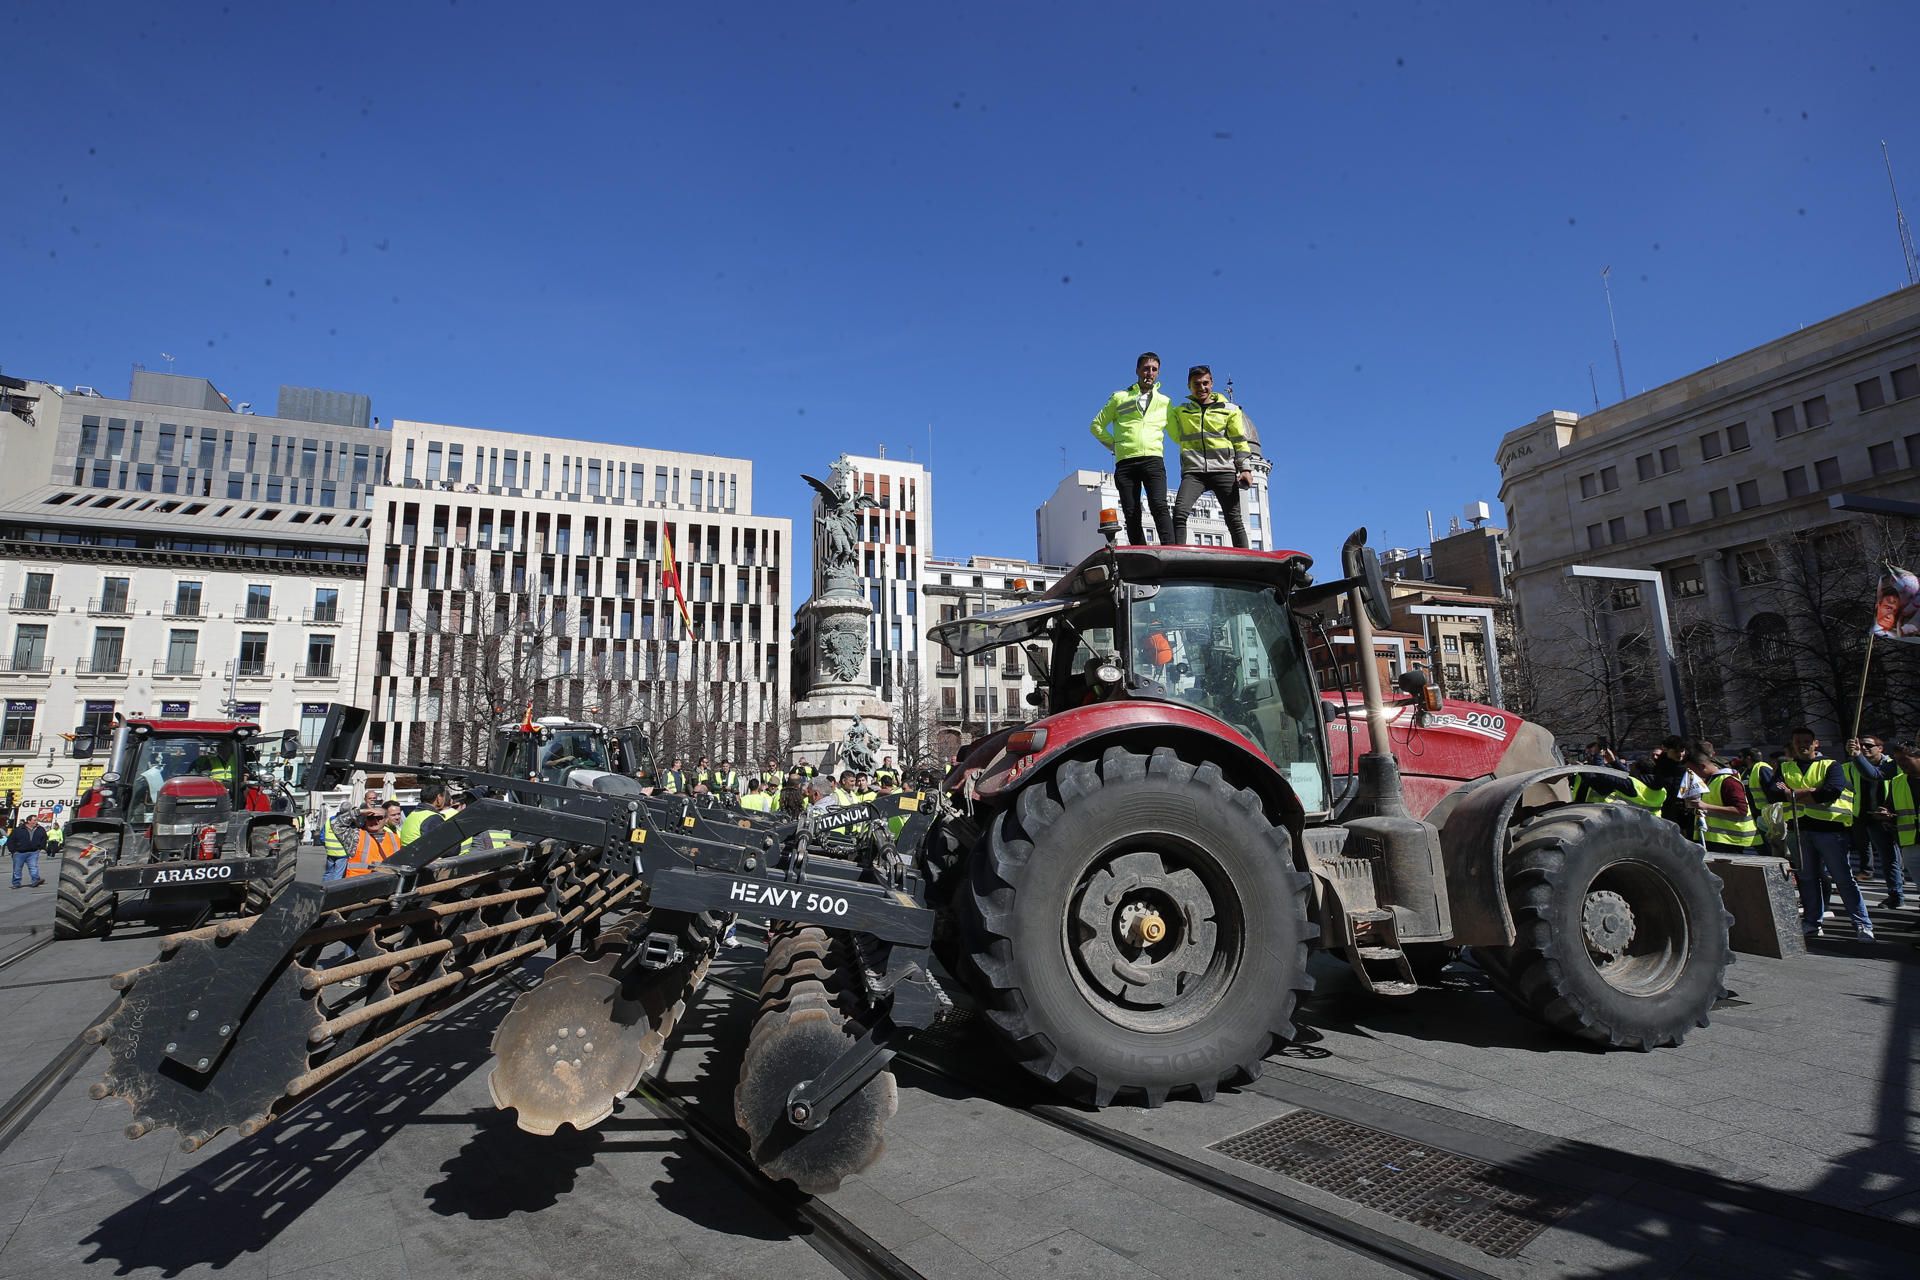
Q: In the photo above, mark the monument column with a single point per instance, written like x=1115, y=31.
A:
x=841, y=697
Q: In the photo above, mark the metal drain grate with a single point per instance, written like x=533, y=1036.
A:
x=1466, y=1200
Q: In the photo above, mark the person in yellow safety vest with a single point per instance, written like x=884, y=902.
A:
x=1820, y=808
x=486, y=839
x=1723, y=807
x=673, y=779
x=1214, y=457
x=1639, y=793
x=1899, y=798
x=864, y=788
x=773, y=775
x=757, y=799
x=894, y=821
x=848, y=792
x=1133, y=424
x=887, y=773
x=430, y=813
x=373, y=844
x=704, y=772
x=725, y=779
x=1585, y=790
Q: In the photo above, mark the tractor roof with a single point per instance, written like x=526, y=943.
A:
x=1155, y=563
x=181, y=728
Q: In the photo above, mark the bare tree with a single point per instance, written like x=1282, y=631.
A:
x=914, y=721
x=485, y=656
x=1802, y=651
x=1591, y=668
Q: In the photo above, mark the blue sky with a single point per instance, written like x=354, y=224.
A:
x=781, y=231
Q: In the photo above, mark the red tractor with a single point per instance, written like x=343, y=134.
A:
x=1130, y=885
x=180, y=825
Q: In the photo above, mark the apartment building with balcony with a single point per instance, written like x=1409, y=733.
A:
x=511, y=569
x=166, y=555
x=971, y=696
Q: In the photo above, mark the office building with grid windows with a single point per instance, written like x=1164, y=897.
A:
x=512, y=569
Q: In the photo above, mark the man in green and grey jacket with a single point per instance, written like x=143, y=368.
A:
x=1133, y=423
x=1214, y=457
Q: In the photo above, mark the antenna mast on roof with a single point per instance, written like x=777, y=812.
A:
x=1900, y=221
x=1606, y=283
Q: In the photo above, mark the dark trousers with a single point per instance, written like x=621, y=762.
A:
x=1132, y=475
x=1223, y=485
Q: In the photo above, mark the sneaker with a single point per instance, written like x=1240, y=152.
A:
x=1815, y=932
x=1892, y=904
x=1865, y=935
x=39, y=884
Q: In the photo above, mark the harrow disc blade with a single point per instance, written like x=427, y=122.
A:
x=561, y=1056
x=816, y=1160
x=575, y=1045
x=801, y=1029
x=238, y=1090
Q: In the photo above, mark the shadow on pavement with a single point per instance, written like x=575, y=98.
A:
x=503, y=1170
x=239, y=1200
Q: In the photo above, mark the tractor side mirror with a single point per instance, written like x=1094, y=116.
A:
x=82, y=748
x=1328, y=712
x=290, y=743
x=1036, y=664
x=1362, y=568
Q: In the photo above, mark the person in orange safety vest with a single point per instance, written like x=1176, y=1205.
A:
x=373, y=844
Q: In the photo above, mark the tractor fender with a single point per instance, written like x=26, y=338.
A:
x=1085, y=733
x=1473, y=841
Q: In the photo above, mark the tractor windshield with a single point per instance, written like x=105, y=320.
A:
x=159, y=759
x=569, y=749
x=1231, y=650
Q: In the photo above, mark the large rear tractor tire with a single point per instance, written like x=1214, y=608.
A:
x=1621, y=935
x=1138, y=929
x=281, y=843
x=82, y=904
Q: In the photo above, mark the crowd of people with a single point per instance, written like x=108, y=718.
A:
x=1838, y=822
x=792, y=790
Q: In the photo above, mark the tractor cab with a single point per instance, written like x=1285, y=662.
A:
x=557, y=750
x=1201, y=629
x=160, y=765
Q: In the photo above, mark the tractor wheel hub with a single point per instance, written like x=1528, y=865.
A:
x=1142, y=933
x=1607, y=921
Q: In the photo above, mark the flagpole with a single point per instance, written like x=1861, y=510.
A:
x=1860, y=703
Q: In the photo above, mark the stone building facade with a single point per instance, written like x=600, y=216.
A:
x=1700, y=480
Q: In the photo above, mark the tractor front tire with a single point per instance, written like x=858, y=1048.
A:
x=82, y=904
x=1621, y=934
x=1136, y=927
x=281, y=843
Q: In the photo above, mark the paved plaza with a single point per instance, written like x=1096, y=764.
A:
x=1778, y=1141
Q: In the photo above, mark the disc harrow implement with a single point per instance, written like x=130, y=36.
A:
x=631, y=894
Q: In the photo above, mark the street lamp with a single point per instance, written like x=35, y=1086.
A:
x=1662, y=632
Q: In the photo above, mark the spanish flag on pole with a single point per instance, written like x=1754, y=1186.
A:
x=670, y=581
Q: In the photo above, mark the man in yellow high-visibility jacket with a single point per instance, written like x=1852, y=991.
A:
x=1214, y=454
x=757, y=799
x=1133, y=423
x=428, y=814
